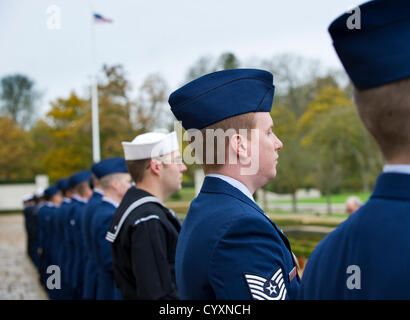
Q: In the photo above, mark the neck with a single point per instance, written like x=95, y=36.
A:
x=152, y=187
x=248, y=181
x=112, y=196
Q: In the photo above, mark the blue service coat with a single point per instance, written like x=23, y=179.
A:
x=229, y=249
x=90, y=276
x=101, y=221
x=366, y=257
x=44, y=237
x=64, y=249
x=76, y=242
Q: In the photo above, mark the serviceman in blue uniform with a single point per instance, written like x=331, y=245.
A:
x=228, y=248
x=143, y=231
x=79, y=183
x=45, y=235
x=65, y=293
x=115, y=181
x=90, y=276
x=29, y=203
x=40, y=201
x=366, y=257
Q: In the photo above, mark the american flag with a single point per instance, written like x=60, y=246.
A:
x=99, y=18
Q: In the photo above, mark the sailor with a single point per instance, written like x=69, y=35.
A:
x=143, y=231
x=366, y=256
x=228, y=248
x=114, y=180
x=90, y=276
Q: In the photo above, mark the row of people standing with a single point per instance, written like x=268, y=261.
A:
x=65, y=231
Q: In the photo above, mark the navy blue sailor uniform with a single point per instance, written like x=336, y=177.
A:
x=232, y=250
x=143, y=248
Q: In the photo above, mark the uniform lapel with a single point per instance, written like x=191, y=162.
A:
x=216, y=185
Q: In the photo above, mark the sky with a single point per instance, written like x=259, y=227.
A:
x=155, y=36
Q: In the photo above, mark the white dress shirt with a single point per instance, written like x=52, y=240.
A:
x=397, y=168
x=234, y=183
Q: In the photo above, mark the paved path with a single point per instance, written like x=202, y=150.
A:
x=18, y=276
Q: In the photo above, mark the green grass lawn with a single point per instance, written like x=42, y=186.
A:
x=336, y=198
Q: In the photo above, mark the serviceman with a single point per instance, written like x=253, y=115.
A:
x=65, y=293
x=90, y=276
x=143, y=231
x=53, y=199
x=79, y=183
x=366, y=257
x=114, y=180
x=228, y=248
x=29, y=202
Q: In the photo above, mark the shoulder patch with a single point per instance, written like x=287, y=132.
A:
x=272, y=288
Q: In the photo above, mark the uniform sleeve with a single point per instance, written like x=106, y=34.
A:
x=103, y=246
x=248, y=262
x=150, y=264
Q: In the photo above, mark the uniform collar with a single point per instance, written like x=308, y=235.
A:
x=397, y=168
x=115, y=204
x=50, y=204
x=79, y=199
x=392, y=185
x=99, y=191
x=66, y=200
x=215, y=185
x=235, y=183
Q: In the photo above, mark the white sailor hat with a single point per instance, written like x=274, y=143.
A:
x=150, y=145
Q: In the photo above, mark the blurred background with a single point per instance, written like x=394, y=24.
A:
x=136, y=53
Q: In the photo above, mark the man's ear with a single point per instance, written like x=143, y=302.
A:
x=155, y=166
x=239, y=146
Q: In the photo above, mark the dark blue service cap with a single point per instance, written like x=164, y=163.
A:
x=79, y=177
x=108, y=166
x=220, y=95
x=62, y=184
x=378, y=52
x=51, y=191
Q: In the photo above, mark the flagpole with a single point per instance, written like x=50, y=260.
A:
x=94, y=98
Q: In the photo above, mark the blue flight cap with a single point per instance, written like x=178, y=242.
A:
x=378, y=52
x=79, y=177
x=62, y=184
x=50, y=191
x=220, y=95
x=108, y=166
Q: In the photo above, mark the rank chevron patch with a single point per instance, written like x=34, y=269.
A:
x=267, y=289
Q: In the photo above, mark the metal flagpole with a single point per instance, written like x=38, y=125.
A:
x=94, y=99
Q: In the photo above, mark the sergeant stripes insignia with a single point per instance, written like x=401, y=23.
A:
x=267, y=289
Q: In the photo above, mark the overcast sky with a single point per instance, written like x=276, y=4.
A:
x=155, y=36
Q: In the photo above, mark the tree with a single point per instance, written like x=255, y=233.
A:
x=293, y=162
x=16, y=145
x=19, y=98
x=114, y=111
x=331, y=131
x=152, y=109
x=70, y=149
x=209, y=64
